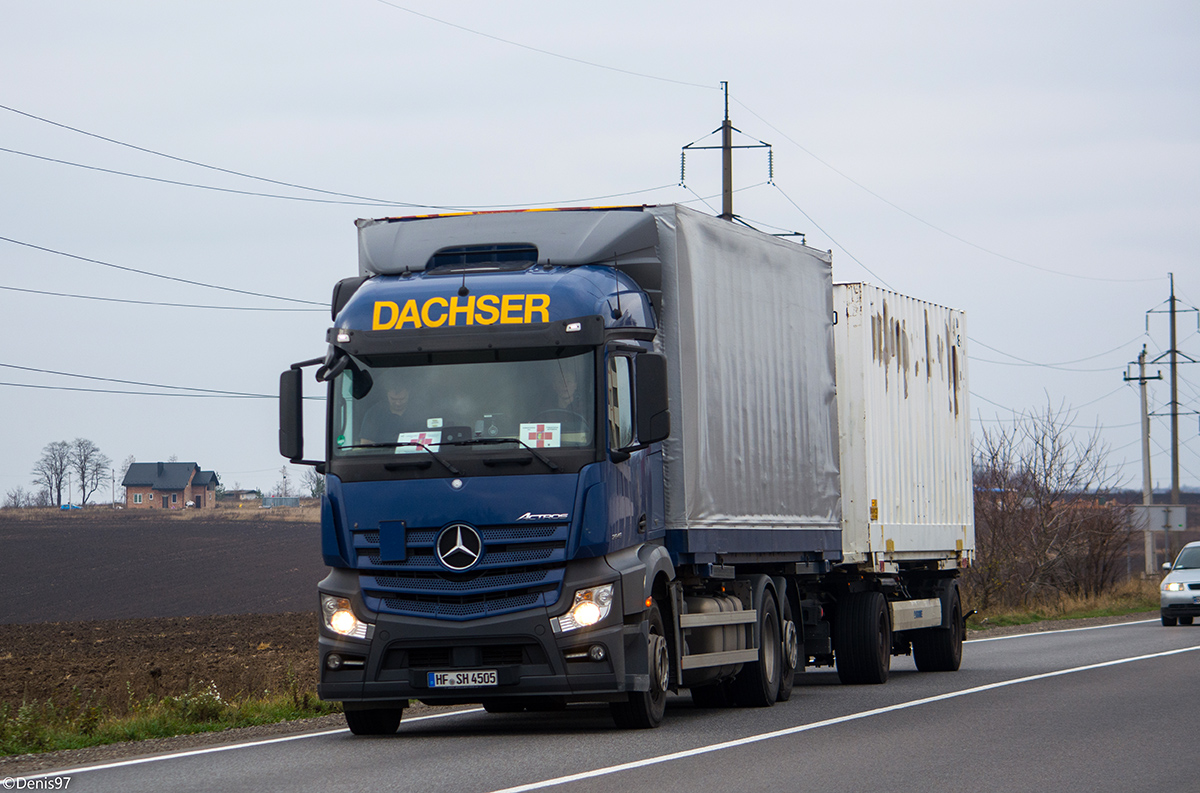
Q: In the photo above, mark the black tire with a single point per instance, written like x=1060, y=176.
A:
x=1169, y=621
x=940, y=649
x=790, y=648
x=644, y=710
x=862, y=635
x=1185, y=620
x=757, y=685
x=384, y=721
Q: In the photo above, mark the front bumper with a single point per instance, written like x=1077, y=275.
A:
x=528, y=657
x=1181, y=604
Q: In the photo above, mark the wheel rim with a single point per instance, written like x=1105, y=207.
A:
x=771, y=650
x=791, y=645
x=660, y=664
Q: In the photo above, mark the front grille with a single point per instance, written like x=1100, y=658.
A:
x=522, y=567
x=448, y=608
x=464, y=657
x=1193, y=586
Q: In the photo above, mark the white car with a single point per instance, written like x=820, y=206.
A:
x=1180, y=590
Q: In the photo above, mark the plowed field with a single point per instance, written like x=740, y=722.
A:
x=111, y=604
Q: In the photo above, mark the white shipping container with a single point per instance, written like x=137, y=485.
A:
x=904, y=428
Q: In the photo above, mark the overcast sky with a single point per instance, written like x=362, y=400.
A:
x=1036, y=164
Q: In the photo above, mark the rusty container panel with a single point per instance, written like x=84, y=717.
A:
x=904, y=428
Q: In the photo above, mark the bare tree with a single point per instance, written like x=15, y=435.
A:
x=90, y=464
x=17, y=498
x=284, y=486
x=1045, y=522
x=130, y=460
x=51, y=469
x=313, y=482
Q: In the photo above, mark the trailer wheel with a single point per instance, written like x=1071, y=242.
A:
x=644, y=709
x=790, y=644
x=384, y=721
x=940, y=649
x=863, y=638
x=757, y=685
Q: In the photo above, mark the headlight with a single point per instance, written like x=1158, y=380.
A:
x=590, y=606
x=339, y=618
x=1174, y=586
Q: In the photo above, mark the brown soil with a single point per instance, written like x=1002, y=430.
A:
x=105, y=564
x=110, y=662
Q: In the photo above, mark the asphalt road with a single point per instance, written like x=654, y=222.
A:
x=1110, y=708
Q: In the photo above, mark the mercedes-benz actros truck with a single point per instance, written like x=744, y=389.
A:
x=605, y=455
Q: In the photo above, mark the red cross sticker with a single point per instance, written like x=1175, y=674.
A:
x=542, y=437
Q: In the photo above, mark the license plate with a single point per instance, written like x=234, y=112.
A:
x=479, y=677
x=1196, y=599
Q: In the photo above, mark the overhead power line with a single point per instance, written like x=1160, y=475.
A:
x=211, y=391
x=136, y=393
x=204, y=186
x=355, y=200
x=933, y=226
x=831, y=239
x=540, y=51
x=1057, y=364
x=159, y=303
x=159, y=275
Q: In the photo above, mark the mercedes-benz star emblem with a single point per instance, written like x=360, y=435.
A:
x=459, y=546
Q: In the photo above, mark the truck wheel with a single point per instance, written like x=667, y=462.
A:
x=1169, y=621
x=940, y=649
x=790, y=646
x=757, y=685
x=644, y=709
x=862, y=634
x=374, y=722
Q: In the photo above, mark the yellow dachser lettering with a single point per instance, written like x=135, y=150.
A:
x=437, y=312
x=392, y=309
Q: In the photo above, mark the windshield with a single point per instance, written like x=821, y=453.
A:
x=456, y=403
x=1189, y=559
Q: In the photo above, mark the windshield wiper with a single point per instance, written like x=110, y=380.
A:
x=418, y=444
x=492, y=441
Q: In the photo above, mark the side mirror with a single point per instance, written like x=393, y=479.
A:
x=291, y=415
x=653, y=414
x=1166, y=567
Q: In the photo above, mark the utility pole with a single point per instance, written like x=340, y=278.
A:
x=1147, y=486
x=726, y=160
x=726, y=129
x=1173, y=354
x=1174, y=404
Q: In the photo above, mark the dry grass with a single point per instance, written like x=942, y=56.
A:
x=1129, y=597
x=308, y=511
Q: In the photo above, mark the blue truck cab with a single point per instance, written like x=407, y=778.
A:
x=491, y=465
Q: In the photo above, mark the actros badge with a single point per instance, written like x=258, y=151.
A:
x=459, y=546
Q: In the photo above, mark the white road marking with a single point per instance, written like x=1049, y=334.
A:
x=1053, y=632
x=766, y=736
x=227, y=747
x=662, y=758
